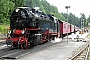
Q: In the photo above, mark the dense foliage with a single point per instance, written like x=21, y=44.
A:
x=72, y=19
x=7, y=6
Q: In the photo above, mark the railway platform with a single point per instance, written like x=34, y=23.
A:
x=78, y=37
x=58, y=49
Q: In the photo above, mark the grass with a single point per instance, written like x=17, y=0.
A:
x=3, y=28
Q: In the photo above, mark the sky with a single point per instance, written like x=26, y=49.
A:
x=76, y=6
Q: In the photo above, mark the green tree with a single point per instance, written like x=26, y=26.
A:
x=18, y=3
x=72, y=19
x=28, y=3
x=5, y=8
x=64, y=14
x=88, y=20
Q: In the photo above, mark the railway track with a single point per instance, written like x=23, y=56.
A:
x=2, y=43
x=14, y=54
x=2, y=40
x=81, y=54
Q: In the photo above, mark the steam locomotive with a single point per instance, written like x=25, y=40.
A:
x=29, y=26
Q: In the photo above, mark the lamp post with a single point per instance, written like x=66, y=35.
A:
x=67, y=7
x=82, y=23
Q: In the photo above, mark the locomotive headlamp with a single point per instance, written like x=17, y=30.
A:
x=9, y=32
x=14, y=31
x=17, y=10
x=23, y=31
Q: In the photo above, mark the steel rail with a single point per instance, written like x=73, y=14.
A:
x=77, y=54
x=87, y=53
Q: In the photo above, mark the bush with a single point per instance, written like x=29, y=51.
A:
x=3, y=30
